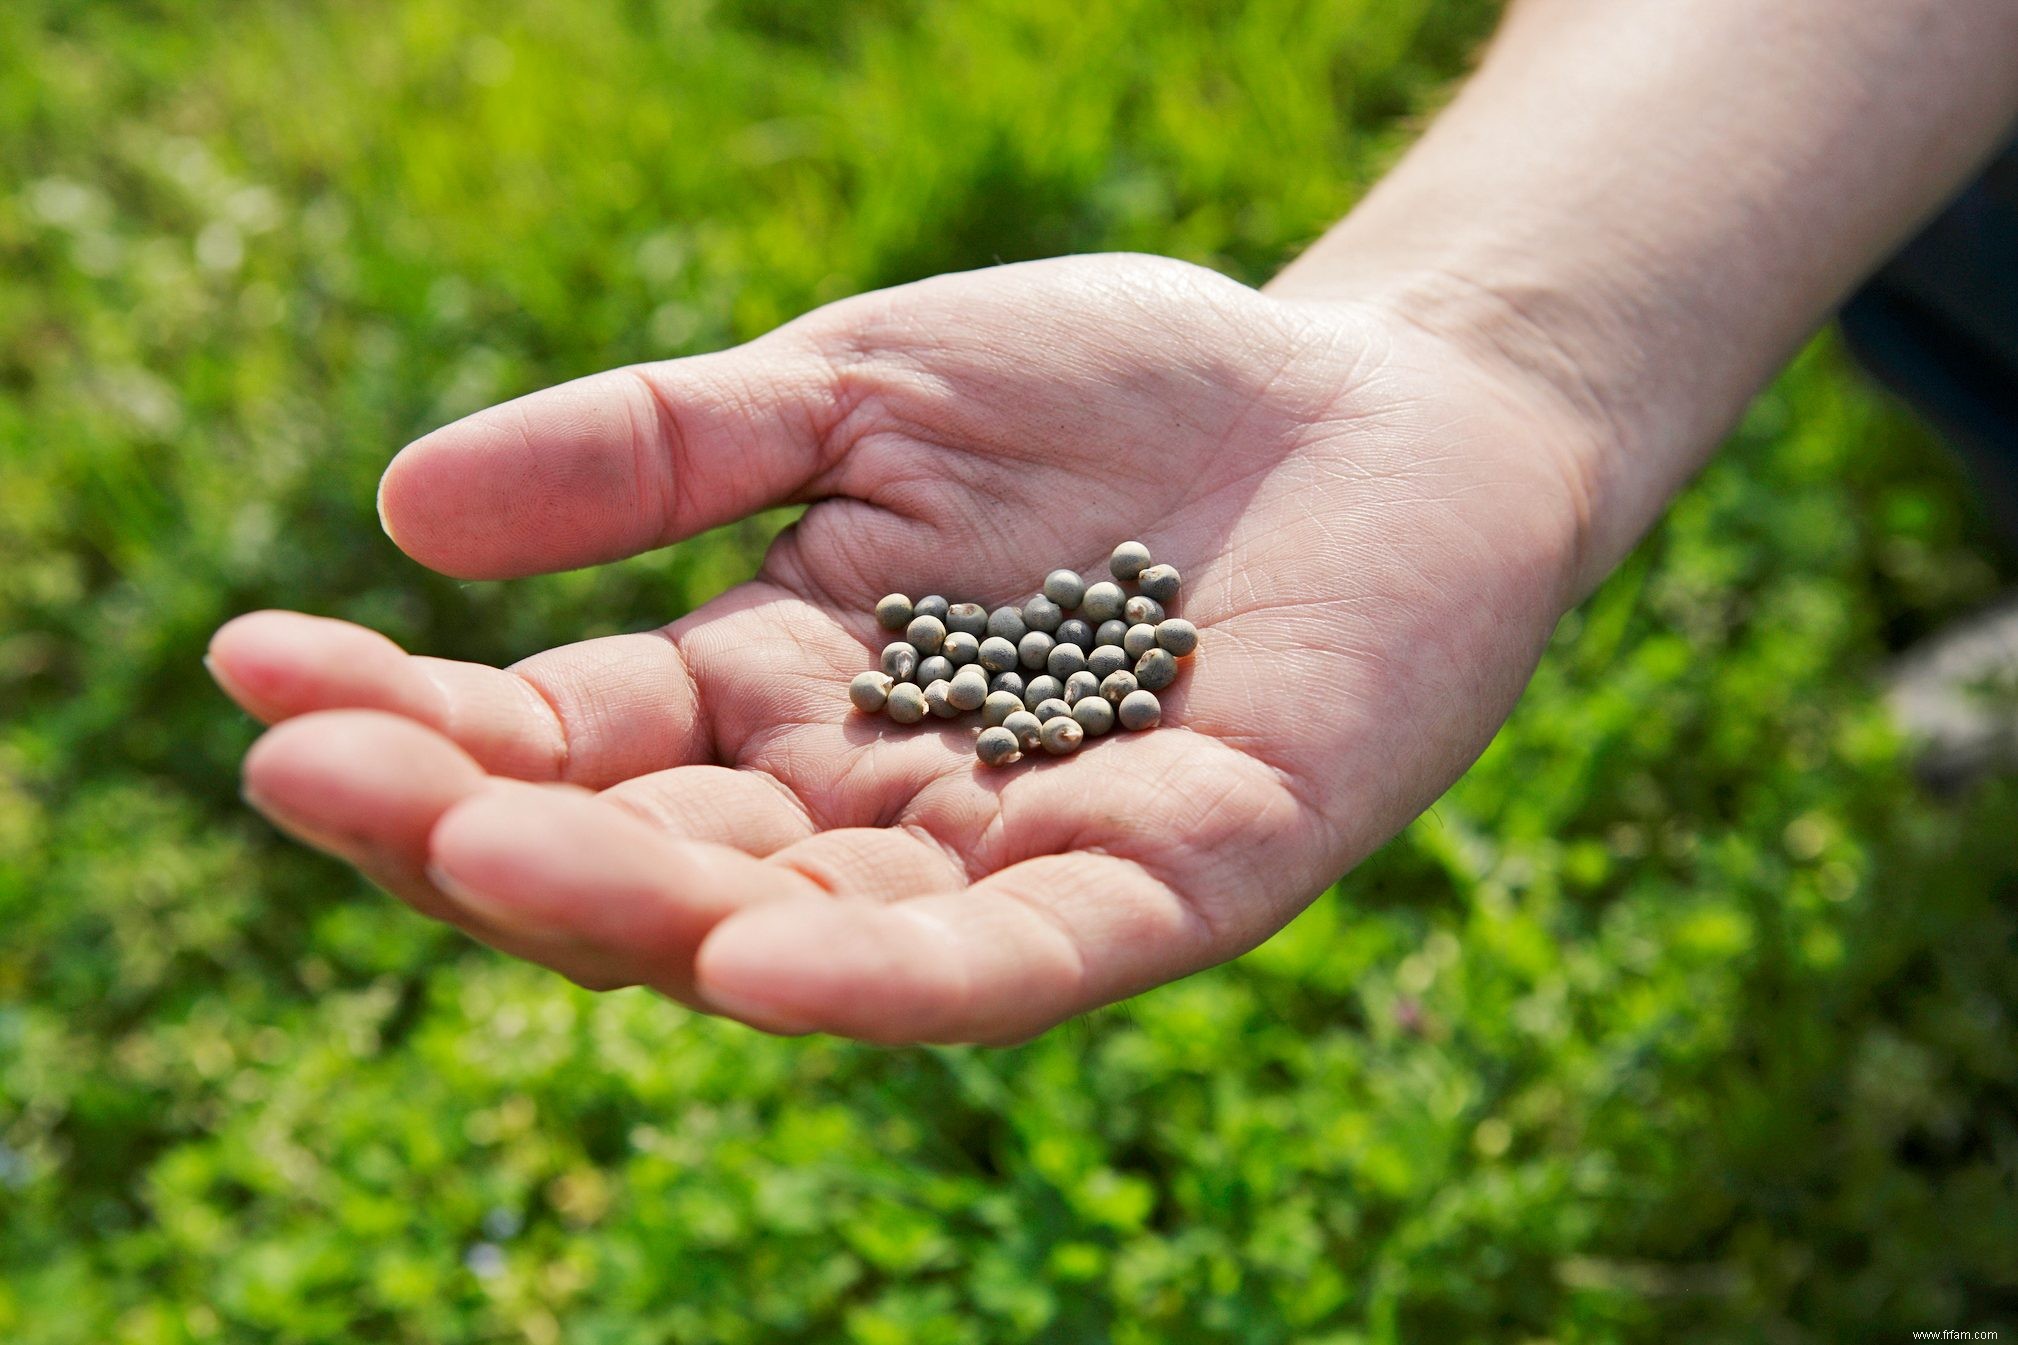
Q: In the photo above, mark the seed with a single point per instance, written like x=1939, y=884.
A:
x=1075, y=631
x=938, y=668
x=907, y=703
x=1108, y=659
x=1061, y=736
x=969, y=688
x=870, y=691
x=1040, y=613
x=961, y=647
x=1034, y=649
x=997, y=655
x=1142, y=610
x=999, y=706
x=1110, y=632
x=1011, y=682
x=970, y=617
x=1064, y=660
x=893, y=611
x=926, y=633
x=1094, y=715
x=1160, y=582
x=1139, y=710
x=1007, y=622
x=1041, y=689
x=934, y=606
x=1079, y=686
x=1128, y=560
x=1026, y=728
x=1156, y=670
x=900, y=660
x=938, y=699
x=1064, y=587
x=1049, y=710
x=1177, y=635
x=1103, y=602
x=1139, y=640
x=1116, y=687
x=997, y=747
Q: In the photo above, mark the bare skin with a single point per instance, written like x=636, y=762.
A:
x=1384, y=480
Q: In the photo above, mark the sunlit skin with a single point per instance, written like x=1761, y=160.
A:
x=1383, y=480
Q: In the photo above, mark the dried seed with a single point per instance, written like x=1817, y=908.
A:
x=970, y=617
x=1117, y=686
x=1026, y=728
x=1095, y=715
x=1061, y=736
x=1079, y=686
x=1156, y=670
x=1034, y=649
x=893, y=611
x=1139, y=710
x=1041, y=689
x=1110, y=632
x=938, y=668
x=1108, y=659
x=900, y=660
x=1040, y=613
x=1075, y=631
x=1048, y=710
x=870, y=691
x=997, y=655
x=934, y=606
x=939, y=699
x=1011, y=682
x=1128, y=560
x=1177, y=635
x=907, y=703
x=1007, y=622
x=970, y=688
x=1160, y=582
x=1064, y=660
x=1103, y=602
x=999, y=706
x=997, y=747
x=1142, y=610
x=926, y=633
x=1139, y=640
x=1064, y=587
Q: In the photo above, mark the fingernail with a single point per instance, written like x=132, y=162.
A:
x=488, y=908
x=754, y=1013
x=378, y=502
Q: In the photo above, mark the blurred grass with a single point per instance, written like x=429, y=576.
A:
x=1682, y=1016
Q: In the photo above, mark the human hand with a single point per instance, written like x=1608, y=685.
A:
x=1377, y=529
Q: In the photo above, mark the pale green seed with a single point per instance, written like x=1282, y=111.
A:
x=1048, y=710
x=1075, y=631
x=1103, y=602
x=1128, y=560
x=997, y=747
x=970, y=688
x=893, y=611
x=1094, y=715
x=997, y=655
x=939, y=699
x=961, y=647
x=1117, y=686
x=1079, y=686
x=1160, y=582
x=1011, y=682
x=1061, y=736
x=1142, y=610
x=1156, y=670
x=870, y=691
x=1041, y=689
x=1139, y=640
x=999, y=706
x=1177, y=635
x=938, y=668
x=1034, y=649
x=1064, y=660
x=1110, y=632
x=1026, y=728
x=970, y=617
x=934, y=606
x=1007, y=622
x=1139, y=710
x=907, y=703
x=900, y=660
x=1108, y=659
x=1040, y=613
x=926, y=633
x=1064, y=587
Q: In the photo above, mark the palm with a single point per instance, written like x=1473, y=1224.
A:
x=1368, y=534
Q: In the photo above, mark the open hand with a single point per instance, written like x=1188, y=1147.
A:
x=1376, y=529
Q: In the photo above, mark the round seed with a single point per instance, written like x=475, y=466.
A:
x=900, y=660
x=1079, y=686
x=939, y=699
x=1128, y=560
x=1177, y=635
x=1139, y=710
x=1108, y=659
x=1061, y=736
x=934, y=606
x=961, y=647
x=1041, y=689
x=969, y=688
x=1075, y=631
x=1007, y=622
x=1064, y=660
x=926, y=633
x=938, y=668
x=1034, y=649
x=1064, y=587
x=1049, y=710
x=1139, y=640
x=1094, y=715
x=1142, y=610
x=997, y=655
x=1103, y=602
x=893, y=611
x=1117, y=687
x=870, y=691
x=970, y=617
x=1011, y=682
x=1156, y=670
x=907, y=703
x=1160, y=582
x=1110, y=632
x=1040, y=613
x=1026, y=727
x=997, y=747
x=999, y=706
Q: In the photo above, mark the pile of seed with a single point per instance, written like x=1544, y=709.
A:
x=1068, y=665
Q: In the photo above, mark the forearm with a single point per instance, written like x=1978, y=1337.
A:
x=1652, y=203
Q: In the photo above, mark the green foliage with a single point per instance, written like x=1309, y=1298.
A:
x=1682, y=1017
